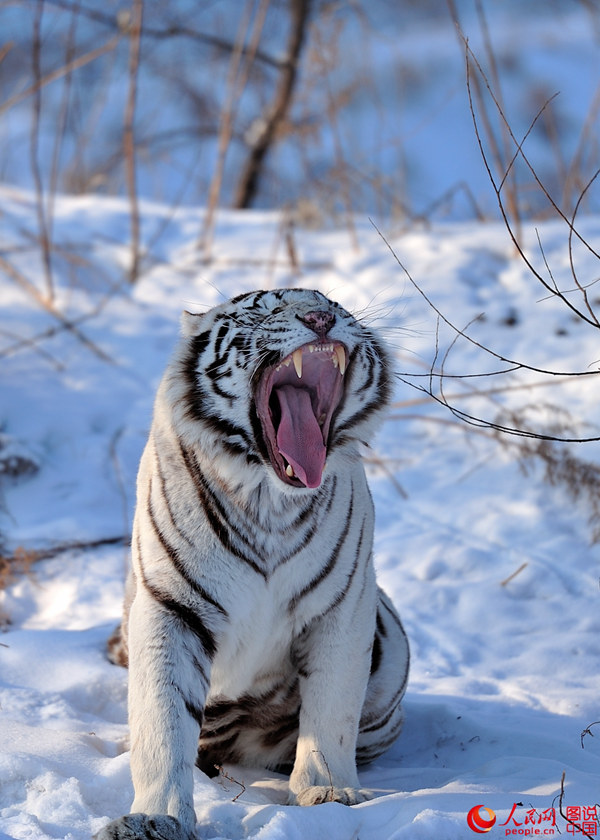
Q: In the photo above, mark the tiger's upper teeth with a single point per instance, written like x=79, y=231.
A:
x=297, y=357
x=338, y=357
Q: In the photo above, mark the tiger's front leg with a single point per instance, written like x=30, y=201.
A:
x=335, y=672
x=168, y=679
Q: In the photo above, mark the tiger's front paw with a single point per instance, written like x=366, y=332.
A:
x=318, y=794
x=144, y=827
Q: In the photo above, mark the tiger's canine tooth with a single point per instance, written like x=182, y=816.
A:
x=289, y=470
x=341, y=357
x=297, y=357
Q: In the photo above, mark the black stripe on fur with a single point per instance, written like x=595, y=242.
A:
x=216, y=515
x=186, y=616
x=173, y=555
x=330, y=565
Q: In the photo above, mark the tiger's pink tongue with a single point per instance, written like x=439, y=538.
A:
x=299, y=436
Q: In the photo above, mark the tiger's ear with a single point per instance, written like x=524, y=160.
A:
x=191, y=323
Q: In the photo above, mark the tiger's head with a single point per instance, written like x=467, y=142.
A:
x=284, y=380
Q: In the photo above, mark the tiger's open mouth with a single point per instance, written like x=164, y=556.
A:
x=296, y=400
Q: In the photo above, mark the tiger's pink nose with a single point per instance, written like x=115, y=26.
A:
x=319, y=321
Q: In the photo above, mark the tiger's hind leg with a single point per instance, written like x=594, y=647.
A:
x=256, y=730
x=118, y=644
x=382, y=714
x=116, y=648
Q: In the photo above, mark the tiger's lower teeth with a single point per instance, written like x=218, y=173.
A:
x=289, y=470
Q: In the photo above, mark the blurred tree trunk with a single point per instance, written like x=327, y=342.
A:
x=268, y=125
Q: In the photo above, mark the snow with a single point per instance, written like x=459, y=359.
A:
x=491, y=566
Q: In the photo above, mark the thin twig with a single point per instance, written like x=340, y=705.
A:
x=62, y=118
x=578, y=829
x=548, y=269
x=587, y=136
x=471, y=59
x=488, y=392
x=342, y=168
x=134, y=32
x=237, y=80
x=515, y=364
x=507, y=580
x=588, y=731
x=463, y=415
x=581, y=288
x=173, y=30
x=513, y=195
x=229, y=778
x=75, y=64
x=25, y=556
x=5, y=49
x=49, y=307
x=275, y=114
x=373, y=458
x=331, y=790
x=36, y=52
x=31, y=343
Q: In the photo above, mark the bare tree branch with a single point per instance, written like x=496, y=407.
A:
x=36, y=52
x=440, y=376
x=75, y=64
x=237, y=80
x=269, y=124
x=578, y=829
x=171, y=30
x=588, y=317
x=23, y=558
x=49, y=307
x=134, y=30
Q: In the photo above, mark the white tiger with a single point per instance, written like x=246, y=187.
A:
x=253, y=627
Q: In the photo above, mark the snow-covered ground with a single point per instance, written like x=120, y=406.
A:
x=491, y=566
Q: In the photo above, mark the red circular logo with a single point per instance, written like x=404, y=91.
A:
x=477, y=822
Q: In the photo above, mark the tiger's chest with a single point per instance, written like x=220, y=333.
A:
x=256, y=649
x=306, y=574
